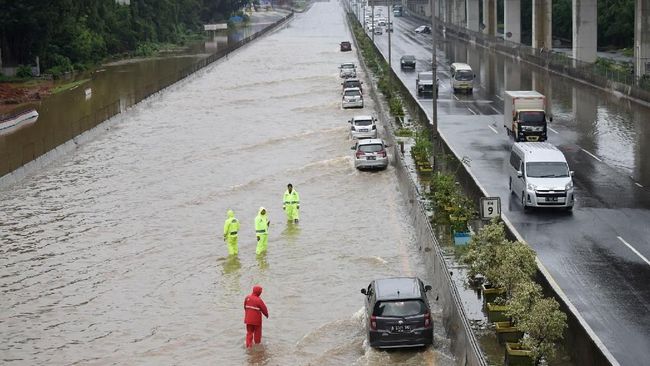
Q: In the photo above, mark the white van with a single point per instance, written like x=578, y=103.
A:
x=540, y=176
x=462, y=77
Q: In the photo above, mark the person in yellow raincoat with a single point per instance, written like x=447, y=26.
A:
x=230, y=229
x=262, y=230
x=291, y=204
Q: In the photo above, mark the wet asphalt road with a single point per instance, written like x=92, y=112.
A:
x=599, y=254
x=113, y=254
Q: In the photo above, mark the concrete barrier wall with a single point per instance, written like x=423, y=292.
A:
x=464, y=345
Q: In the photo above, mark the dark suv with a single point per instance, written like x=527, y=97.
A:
x=352, y=83
x=398, y=313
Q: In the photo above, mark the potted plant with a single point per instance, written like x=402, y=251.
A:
x=507, y=332
x=483, y=253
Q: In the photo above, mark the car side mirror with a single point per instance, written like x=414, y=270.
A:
x=519, y=174
x=363, y=291
x=387, y=145
x=427, y=288
x=550, y=118
x=352, y=148
x=571, y=173
x=350, y=121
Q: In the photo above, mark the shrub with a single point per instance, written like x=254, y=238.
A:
x=396, y=108
x=24, y=71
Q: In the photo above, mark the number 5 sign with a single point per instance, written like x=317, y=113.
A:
x=490, y=207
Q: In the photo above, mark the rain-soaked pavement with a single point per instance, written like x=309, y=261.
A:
x=113, y=254
x=599, y=254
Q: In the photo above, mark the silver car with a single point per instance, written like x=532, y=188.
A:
x=370, y=154
x=352, y=98
x=348, y=70
x=363, y=127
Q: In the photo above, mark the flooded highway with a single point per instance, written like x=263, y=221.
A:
x=113, y=254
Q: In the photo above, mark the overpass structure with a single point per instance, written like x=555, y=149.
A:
x=481, y=15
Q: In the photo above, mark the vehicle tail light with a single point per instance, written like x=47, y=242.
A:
x=360, y=154
x=373, y=322
x=382, y=153
x=374, y=127
x=427, y=320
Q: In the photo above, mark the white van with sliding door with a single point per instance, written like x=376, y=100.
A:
x=540, y=176
x=462, y=77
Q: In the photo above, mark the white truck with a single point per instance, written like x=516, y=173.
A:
x=524, y=115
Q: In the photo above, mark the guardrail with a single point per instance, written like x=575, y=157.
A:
x=38, y=146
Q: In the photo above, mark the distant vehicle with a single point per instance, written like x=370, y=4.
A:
x=524, y=115
x=377, y=30
x=370, y=154
x=462, y=77
x=352, y=83
x=398, y=313
x=424, y=83
x=363, y=127
x=423, y=29
x=540, y=175
x=352, y=98
x=407, y=61
x=346, y=46
x=397, y=11
x=348, y=70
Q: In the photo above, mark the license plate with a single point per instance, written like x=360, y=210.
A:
x=400, y=328
x=371, y=158
x=363, y=130
x=551, y=199
x=533, y=138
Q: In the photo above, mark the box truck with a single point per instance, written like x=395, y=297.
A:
x=524, y=115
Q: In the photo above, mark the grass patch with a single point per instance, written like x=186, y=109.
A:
x=403, y=132
x=68, y=86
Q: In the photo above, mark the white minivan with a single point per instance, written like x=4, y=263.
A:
x=540, y=176
x=462, y=77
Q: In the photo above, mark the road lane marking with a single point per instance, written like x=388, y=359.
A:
x=634, y=250
x=495, y=131
x=501, y=99
x=553, y=130
x=470, y=109
x=494, y=109
x=455, y=97
x=638, y=185
x=592, y=155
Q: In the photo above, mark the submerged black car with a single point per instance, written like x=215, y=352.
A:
x=398, y=313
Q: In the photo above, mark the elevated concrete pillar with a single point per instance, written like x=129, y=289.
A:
x=512, y=20
x=473, y=20
x=490, y=17
x=542, y=24
x=642, y=38
x=585, y=30
x=449, y=6
x=459, y=13
x=511, y=76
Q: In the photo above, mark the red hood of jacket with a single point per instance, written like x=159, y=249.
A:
x=257, y=290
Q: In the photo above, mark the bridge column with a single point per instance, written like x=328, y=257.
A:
x=512, y=20
x=642, y=38
x=542, y=24
x=585, y=30
x=459, y=13
x=511, y=75
x=490, y=17
x=472, y=15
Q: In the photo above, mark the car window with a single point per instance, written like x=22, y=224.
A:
x=370, y=148
x=352, y=84
x=464, y=75
x=425, y=76
x=362, y=122
x=547, y=169
x=352, y=93
x=400, y=308
x=532, y=117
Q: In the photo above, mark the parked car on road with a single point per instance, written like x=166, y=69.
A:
x=363, y=127
x=346, y=46
x=423, y=29
x=348, y=70
x=407, y=61
x=352, y=83
x=352, y=98
x=398, y=313
x=370, y=154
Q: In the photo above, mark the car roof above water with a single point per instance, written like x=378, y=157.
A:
x=397, y=288
x=539, y=151
x=362, y=117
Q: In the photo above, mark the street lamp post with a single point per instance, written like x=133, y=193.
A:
x=390, y=67
x=372, y=9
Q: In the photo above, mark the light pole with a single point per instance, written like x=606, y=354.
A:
x=372, y=8
x=434, y=72
x=390, y=67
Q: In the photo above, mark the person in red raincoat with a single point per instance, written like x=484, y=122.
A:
x=254, y=307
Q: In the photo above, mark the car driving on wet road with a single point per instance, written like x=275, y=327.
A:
x=369, y=154
x=363, y=127
x=398, y=313
x=352, y=98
